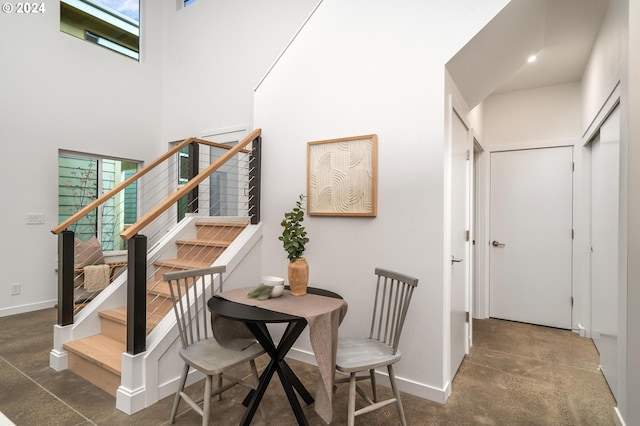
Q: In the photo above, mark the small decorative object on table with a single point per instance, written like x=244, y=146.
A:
x=294, y=238
x=276, y=283
x=262, y=292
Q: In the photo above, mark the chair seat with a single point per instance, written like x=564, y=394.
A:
x=358, y=354
x=209, y=357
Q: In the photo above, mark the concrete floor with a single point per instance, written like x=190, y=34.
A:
x=516, y=374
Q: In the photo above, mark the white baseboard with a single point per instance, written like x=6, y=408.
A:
x=4, y=421
x=617, y=417
x=14, y=310
x=58, y=360
x=420, y=390
x=581, y=330
x=131, y=395
x=130, y=401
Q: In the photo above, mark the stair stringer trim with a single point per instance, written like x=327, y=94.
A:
x=155, y=373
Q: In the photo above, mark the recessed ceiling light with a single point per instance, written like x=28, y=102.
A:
x=531, y=59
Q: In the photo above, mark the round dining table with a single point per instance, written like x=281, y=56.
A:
x=256, y=315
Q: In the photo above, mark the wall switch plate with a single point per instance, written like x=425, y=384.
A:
x=35, y=219
x=15, y=289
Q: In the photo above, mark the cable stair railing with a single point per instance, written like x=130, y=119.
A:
x=218, y=196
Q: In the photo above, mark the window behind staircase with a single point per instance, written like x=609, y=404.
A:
x=81, y=179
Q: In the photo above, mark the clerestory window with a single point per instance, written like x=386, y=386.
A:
x=81, y=179
x=113, y=24
x=181, y=4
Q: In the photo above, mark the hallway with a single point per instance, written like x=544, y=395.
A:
x=516, y=374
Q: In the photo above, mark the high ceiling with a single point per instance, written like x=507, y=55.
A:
x=560, y=32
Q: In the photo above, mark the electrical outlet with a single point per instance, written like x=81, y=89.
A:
x=15, y=289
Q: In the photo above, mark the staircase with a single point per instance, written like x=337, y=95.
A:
x=98, y=358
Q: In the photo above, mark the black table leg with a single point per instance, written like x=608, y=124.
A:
x=297, y=384
x=256, y=395
x=277, y=364
x=289, y=337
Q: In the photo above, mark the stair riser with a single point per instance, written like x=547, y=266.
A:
x=199, y=253
x=160, y=271
x=113, y=329
x=218, y=233
x=93, y=373
x=118, y=331
x=158, y=304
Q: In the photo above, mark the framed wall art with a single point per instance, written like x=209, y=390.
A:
x=342, y=176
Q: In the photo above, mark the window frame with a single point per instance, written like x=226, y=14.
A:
x=113, y=243
x=99, y=15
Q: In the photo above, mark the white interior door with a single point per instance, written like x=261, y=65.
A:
x=531, y=236
x=605, y=157
x=460, y=258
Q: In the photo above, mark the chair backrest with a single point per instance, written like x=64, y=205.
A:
x=189, y=296
x=393, y=295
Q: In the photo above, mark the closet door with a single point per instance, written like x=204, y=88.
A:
x=605, y=157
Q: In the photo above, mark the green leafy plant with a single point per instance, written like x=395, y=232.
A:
x=294, y=236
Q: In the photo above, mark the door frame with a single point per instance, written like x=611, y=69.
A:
x=452, y=111
x=476, y=232
x=480, y=223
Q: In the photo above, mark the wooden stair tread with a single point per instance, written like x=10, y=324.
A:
x=100, y=350
x=205, y=243
x=157, y=309
x=181, y=263
x=153, y=319
x=161, y=288
x=226, y=224
x=118, y=315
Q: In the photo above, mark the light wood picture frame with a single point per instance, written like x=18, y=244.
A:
x=342, y=176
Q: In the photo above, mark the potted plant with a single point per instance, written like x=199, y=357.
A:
x=294, y=239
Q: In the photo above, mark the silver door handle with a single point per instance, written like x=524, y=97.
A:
x=497, y=244
x=454, y=260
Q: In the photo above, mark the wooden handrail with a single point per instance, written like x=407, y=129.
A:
x=184, y=190
x=107, y=195
x=219, y=145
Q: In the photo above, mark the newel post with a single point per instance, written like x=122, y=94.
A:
x=137, y=295
x=254, y=180
x=194, y=165
x=65, y=277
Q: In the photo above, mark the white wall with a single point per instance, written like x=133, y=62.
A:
x=59, y=92
x=549, y=115
x=363, y=67
x=607, y=59
x=216, y=53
